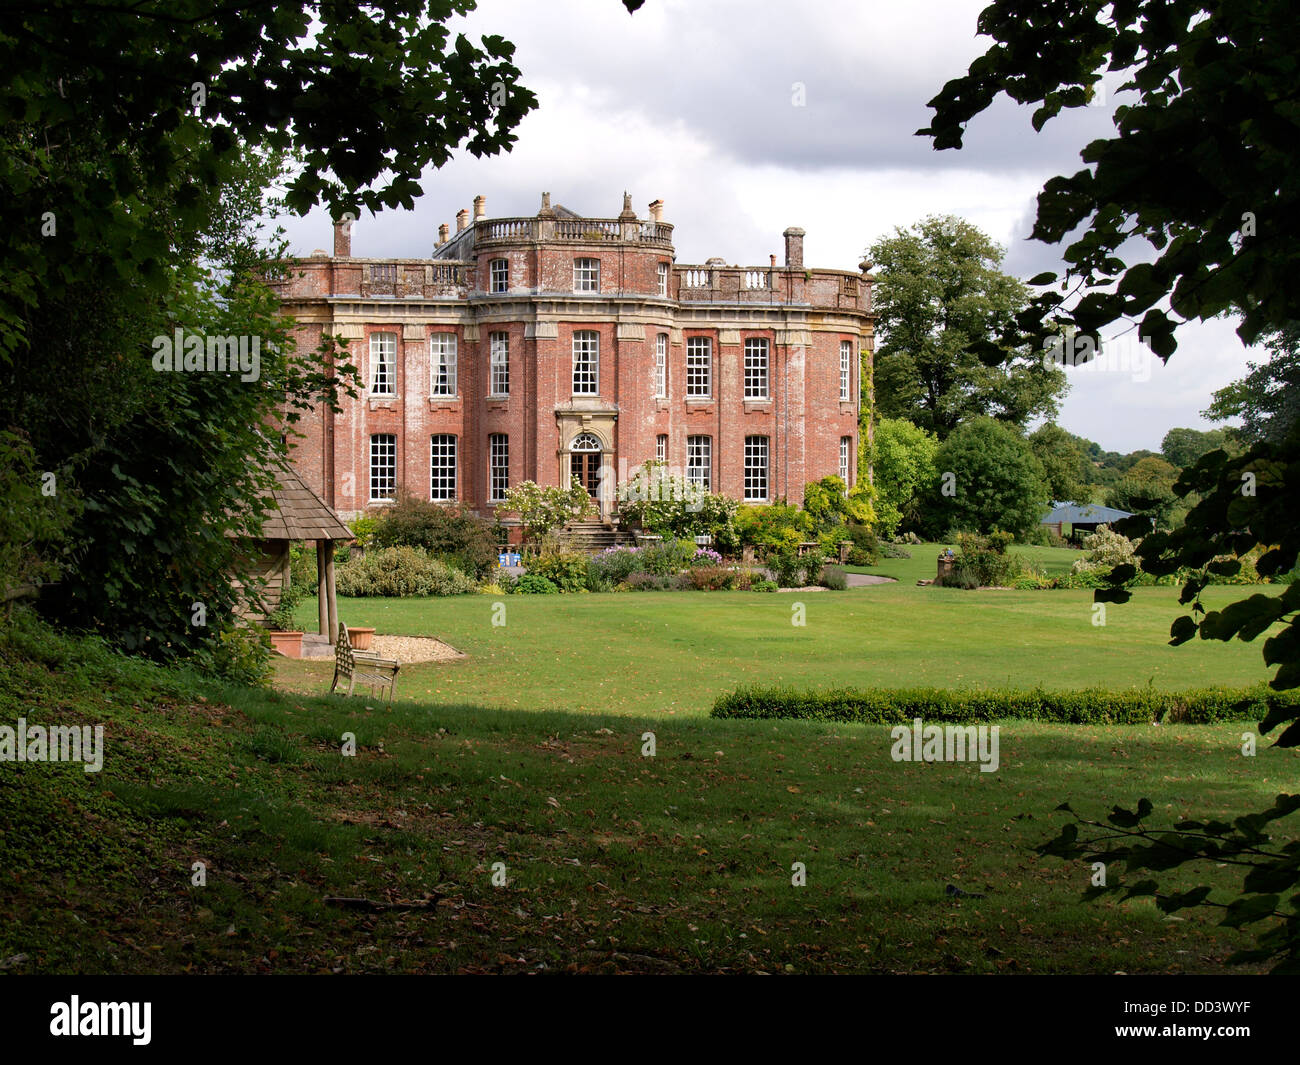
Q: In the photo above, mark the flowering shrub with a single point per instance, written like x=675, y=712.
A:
x=668, y=557
x=614, y=564
x=542, y=510
x=1104, y=550
x=705, y=556
x=670, y=505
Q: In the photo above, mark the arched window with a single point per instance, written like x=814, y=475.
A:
x=586, y=442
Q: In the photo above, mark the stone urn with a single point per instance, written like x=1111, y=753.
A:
x=360, y=638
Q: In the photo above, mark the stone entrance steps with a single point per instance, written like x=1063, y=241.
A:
x=593, y=536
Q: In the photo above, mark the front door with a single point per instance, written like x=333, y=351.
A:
x=585, y=465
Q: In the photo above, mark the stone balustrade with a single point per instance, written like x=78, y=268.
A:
x=572, y=231
x=775, y=284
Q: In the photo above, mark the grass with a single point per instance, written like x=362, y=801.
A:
x=614, y=861
x=527, y=760
x=657, y=654
x=1053, y=561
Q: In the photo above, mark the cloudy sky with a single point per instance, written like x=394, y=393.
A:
x=748, y=116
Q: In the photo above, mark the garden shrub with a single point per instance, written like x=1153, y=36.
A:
x=778, y=524
x=834, y=578
x=281, y=618
x=1088, y=578
x=400, y=571
x=866, y=548
x=792, y=570
x=363, y=529
x=567, y=570
x=764, y=586
x=238, y=655
x=705, y=556
x=710, y=578
x=611, y=567
x=670, y=506
x=542, y=510
x=888, y=550
x=446, y=532
x=302, y=568
x=667, y=557
x=982, y=561
x=1095, y=706
x=1104, y=550
x=535, y=584
x=1229, y=569
x=646, y=582
x=958, y=578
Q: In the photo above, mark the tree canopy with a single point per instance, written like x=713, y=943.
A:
x=902, y=460
x=988, y=480
x=121, y=119
x=943, y=303
x=1267, y=399
x=1182, y=446
x=1065, y=469
x=141, y=146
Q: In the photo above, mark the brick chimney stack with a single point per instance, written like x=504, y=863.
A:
x=480, y=208
x=462, y=219
x=444, y=232
x=343, y=239
x=794, y=248
x=656, y=210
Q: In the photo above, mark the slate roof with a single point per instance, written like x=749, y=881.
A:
x=1083, y=514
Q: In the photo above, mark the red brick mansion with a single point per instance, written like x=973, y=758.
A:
x=554, y=345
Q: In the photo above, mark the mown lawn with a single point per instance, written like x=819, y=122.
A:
x=1052, y=561
x=525, y=760
x=612, y=861
x=656, y=654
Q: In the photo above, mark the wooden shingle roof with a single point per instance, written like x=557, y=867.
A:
x=300, y=514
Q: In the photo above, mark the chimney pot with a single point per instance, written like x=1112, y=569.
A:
x=480, y=207
x=773, y=258
x=794, y=248
x=462, y=219
x=444, y=231
x=656, y=210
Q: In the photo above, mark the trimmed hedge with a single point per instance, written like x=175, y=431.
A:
x=1090, y=706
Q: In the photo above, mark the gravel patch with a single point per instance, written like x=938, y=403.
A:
x=414, y=649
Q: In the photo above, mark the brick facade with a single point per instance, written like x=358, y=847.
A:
x=397, y=314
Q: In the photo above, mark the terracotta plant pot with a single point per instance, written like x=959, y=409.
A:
x=288, y=644
x=360, y=638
